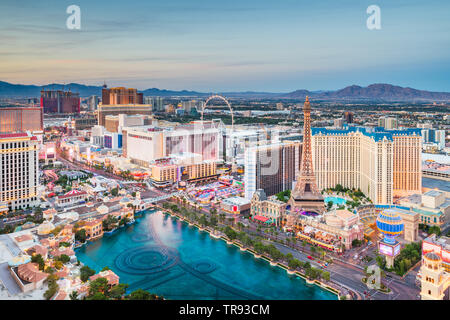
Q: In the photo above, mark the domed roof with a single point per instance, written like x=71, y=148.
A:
x=432, y=256
x=390, y=223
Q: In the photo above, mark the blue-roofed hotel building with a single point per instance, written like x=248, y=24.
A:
x=383, y=163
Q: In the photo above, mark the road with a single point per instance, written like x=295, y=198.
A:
x=79, y=165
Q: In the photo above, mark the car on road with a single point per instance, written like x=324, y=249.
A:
x=310, y=258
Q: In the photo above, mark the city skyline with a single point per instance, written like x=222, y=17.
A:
x=233, y=46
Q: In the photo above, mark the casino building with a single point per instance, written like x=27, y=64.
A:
x=121, y=100
x=59, y=101
x=19, y=178
x=21, y=119
x=435, y=269
x=382, y=163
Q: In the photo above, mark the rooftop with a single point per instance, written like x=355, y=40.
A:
x=236, y=201
x=433, y=193
x=377, y=133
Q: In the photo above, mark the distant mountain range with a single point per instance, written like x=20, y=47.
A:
x=374, y=92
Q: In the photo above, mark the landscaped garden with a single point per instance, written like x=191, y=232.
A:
x=344, y=198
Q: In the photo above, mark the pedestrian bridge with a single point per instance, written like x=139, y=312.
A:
x=160, y=198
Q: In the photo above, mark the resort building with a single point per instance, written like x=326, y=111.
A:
x=436, y=170
x=19, y=175
x=382, y=163
x=59, y=101
x=388, y=123
x=333, y=231
x=116, y=109
x=24, y=240
x=432, y=206
x=28, y=276
x=121, y=100
x=38, y=249
x=21, y=119
x=441, y=247
x=234, y=142
x=271, y=167
x=235, y=205
x=93, y=228
x=71, y=198
x=266, y=209
x=367, y=215
x=435, y=269
x=181, y=167
x=115, y=123
x=147, y=143
x=113, y=279
x=85, y=122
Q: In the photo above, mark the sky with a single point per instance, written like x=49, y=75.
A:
x=233, y=45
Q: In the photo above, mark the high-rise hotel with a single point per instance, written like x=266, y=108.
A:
x=121, y=100
x=19, y=178
x=382, y=163
x=271, y=167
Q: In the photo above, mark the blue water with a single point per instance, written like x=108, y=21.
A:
x=336, y=200
x=168, y=257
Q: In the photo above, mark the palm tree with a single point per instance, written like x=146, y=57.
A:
x=73, y=295
x=313, y=249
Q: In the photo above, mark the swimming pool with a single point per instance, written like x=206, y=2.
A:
x=336, y=200
x=165, y=256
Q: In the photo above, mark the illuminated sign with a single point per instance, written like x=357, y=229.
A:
x=385, y=249
x=397, y=249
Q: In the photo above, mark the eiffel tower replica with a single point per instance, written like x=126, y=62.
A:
x=306, y=197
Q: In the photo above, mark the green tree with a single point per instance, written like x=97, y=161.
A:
x=37, y=258
x=109, y=223
x=99, y=285
x=97, y=296
x=52, y=287
x=85, y=273
x=115, y=192
x=80, y=235
x=118, y=291
x=289, y=257
x=73, y=295
x=381, y=262
x=139, y=294
x=64, y=258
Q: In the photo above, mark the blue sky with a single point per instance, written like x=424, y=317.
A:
x=211, y=45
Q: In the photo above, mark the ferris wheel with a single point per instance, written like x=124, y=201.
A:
x=224, y=100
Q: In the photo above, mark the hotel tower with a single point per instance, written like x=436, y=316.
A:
x=19, y=178
x=382, y=163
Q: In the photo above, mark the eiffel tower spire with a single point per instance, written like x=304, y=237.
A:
x=306, y=196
